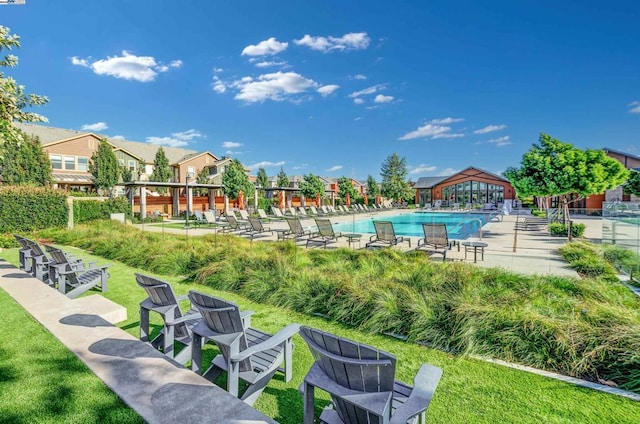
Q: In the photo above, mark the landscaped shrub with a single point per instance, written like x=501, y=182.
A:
x=538, y=213
x=587, y=328
x=8, y=241
x=559, y=229
x=24, y=209
x=90, y=210
x=588, y=260
x=265, y=204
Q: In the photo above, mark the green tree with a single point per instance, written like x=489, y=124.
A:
x=373, y=189
x=632, y=185
x=262, y=180
x=104, y=167
x=283, y=180
x=554, y=168
x=23, y=162
x=345, y=186
x=394, y=174
x=161, y=170
x=235, y=179
x=126, y=174
x=202, y=178
x=310, y=186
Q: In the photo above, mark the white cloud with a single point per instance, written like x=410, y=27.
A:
x=231, y=145
x=218, y=85
x=350, y=41
x=427, y=130
x=301, y=166
x=358, y=101
x=449, y=171
x=177, y=139
x=267, y=64
x=218, y=70
x=118, y=137
x=264, y=48
x=334, y=168
x=277, y=86
x=634, y=107
x=368, y=90
x=128, y=66
x=360, y=77
x=357, y=119
x=490, y=128
x=265, y=164
x=446, y=120
x=98, y=126
x=448, y=135
x=325, y=90
x=422, y=168
x=500, y=141
x=382, y=99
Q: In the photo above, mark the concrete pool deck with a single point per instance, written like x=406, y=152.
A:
x=535, y=252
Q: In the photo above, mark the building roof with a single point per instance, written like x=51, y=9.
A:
x=144, y=151
x=428, y=182
x=618, y=152
x=72, y=178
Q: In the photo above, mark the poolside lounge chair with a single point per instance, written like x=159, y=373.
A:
x=200, y=219
x=296, y=231
x=361, y=381
x=302, y=212
x=277, y=212
x=325, y=233
x=435, y=239
x=235, y=225
x=210, y=219
x=73, y=280
x=263, y=216
x=256, y=228
x=385, y=235
x=292, y=211
x=244, y=215
x=176, y=324
x=246, y=353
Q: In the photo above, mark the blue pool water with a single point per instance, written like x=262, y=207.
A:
x=459, y=225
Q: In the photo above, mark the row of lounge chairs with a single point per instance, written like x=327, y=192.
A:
x=70, y=275
x=360, y=378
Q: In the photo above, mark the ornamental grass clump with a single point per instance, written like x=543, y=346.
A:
x=588, y=328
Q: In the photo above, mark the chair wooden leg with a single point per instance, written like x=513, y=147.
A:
x=308, y=403
x=288, y=360
x=196, y=354
x=144, y=324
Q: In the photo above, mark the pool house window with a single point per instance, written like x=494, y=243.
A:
x=475, y=192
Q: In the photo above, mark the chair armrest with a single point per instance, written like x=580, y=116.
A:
x=101, y=268
x=180, y=298
x=184, y=318
x=273, y=341
x=421, y=242
x=373, y=237
x=425, y=383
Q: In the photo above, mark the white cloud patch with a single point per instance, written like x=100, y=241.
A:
x=350, y=41
x=301, y=166
x=449, y=171
x=118, y=137
x=325, y=90
x=98, y=126
x=448, y=135
x=277, y=86
x=268, y=64
x=446, y=121
x=218, y=85
x=265, y=164
x=368, y=90
x=218, y=70
x=427, y=130
x=177, y=139
x=422, y=168
x=231, y=145
x=360, y=77
x=490, y=128
x=358, y=101
x=634, y=107
x=128, y=66
x=500, y=141
x=334, y=168
x=268, y=47
x=382, y=99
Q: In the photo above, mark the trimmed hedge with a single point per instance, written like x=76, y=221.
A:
x=25, y=208
x=90, y=210
x=559, y=229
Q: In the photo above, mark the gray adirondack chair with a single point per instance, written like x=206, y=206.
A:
x=325, y=233
x=24, y=254
x=385, y=235
x=39, y=263
x=58, y=262
x=73, y=280
x=436, y=239
x=176, y=325
x=246, y=353
x=360, y=380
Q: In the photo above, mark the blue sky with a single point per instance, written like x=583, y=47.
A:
x=334, y=87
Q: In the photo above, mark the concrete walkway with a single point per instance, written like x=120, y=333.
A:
x=535, y=252
x=157, y=388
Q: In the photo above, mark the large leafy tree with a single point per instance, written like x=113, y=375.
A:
x=372, y=186
x=632, y=185
x=262, y=180
x=104, y=167
x=283, y=180
x=394, y=174
x=22, y=161
x=311, y=185
x=235, y=180
x=553, y=168
x=345, y=186
x=161, y=170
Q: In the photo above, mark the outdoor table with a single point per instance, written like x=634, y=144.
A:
x=475, y=245
x=353, y=238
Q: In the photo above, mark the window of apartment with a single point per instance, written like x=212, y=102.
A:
x=70, y=163
x=191, y=171
x=56, y=161
x=132, y=165
x=82, y=163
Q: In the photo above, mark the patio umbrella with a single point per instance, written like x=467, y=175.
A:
x=318, y=200
x=281, y=199
x=240, y=200
x=348, y=200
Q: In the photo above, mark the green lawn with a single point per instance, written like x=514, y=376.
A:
x=55, y=387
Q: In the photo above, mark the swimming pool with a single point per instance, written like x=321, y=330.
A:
x=459, y=225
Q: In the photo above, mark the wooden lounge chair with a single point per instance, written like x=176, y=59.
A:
x=176, y=325
x=74, y=280
x=58, y=262
x=360, y=380
x=24, y=254
x=436, y=239
x=296, y=231
x=325, y=233
x=246, y=353
x=39, y=263
x=385, y=235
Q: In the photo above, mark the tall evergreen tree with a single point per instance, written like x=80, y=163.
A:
x=262, y=180
x=22, y=161
x=104, y=167
x=161, y=170
x=283, y=180
x=394, y=174
x=372, y=187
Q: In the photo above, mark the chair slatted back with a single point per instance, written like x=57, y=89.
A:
x=161, y=294
x=325, y=228
x=244, y=214
x=276, y=212
x=223, y=317
x=295, y=226
x=36, y=250
x=59, y=257
x=353, y=365
x=435, y=234
x=23, y=242
x=233, y=222
x=385, y=231
x=262, y=214
x=256, y=224
x=210, y=217
x=313, y=210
